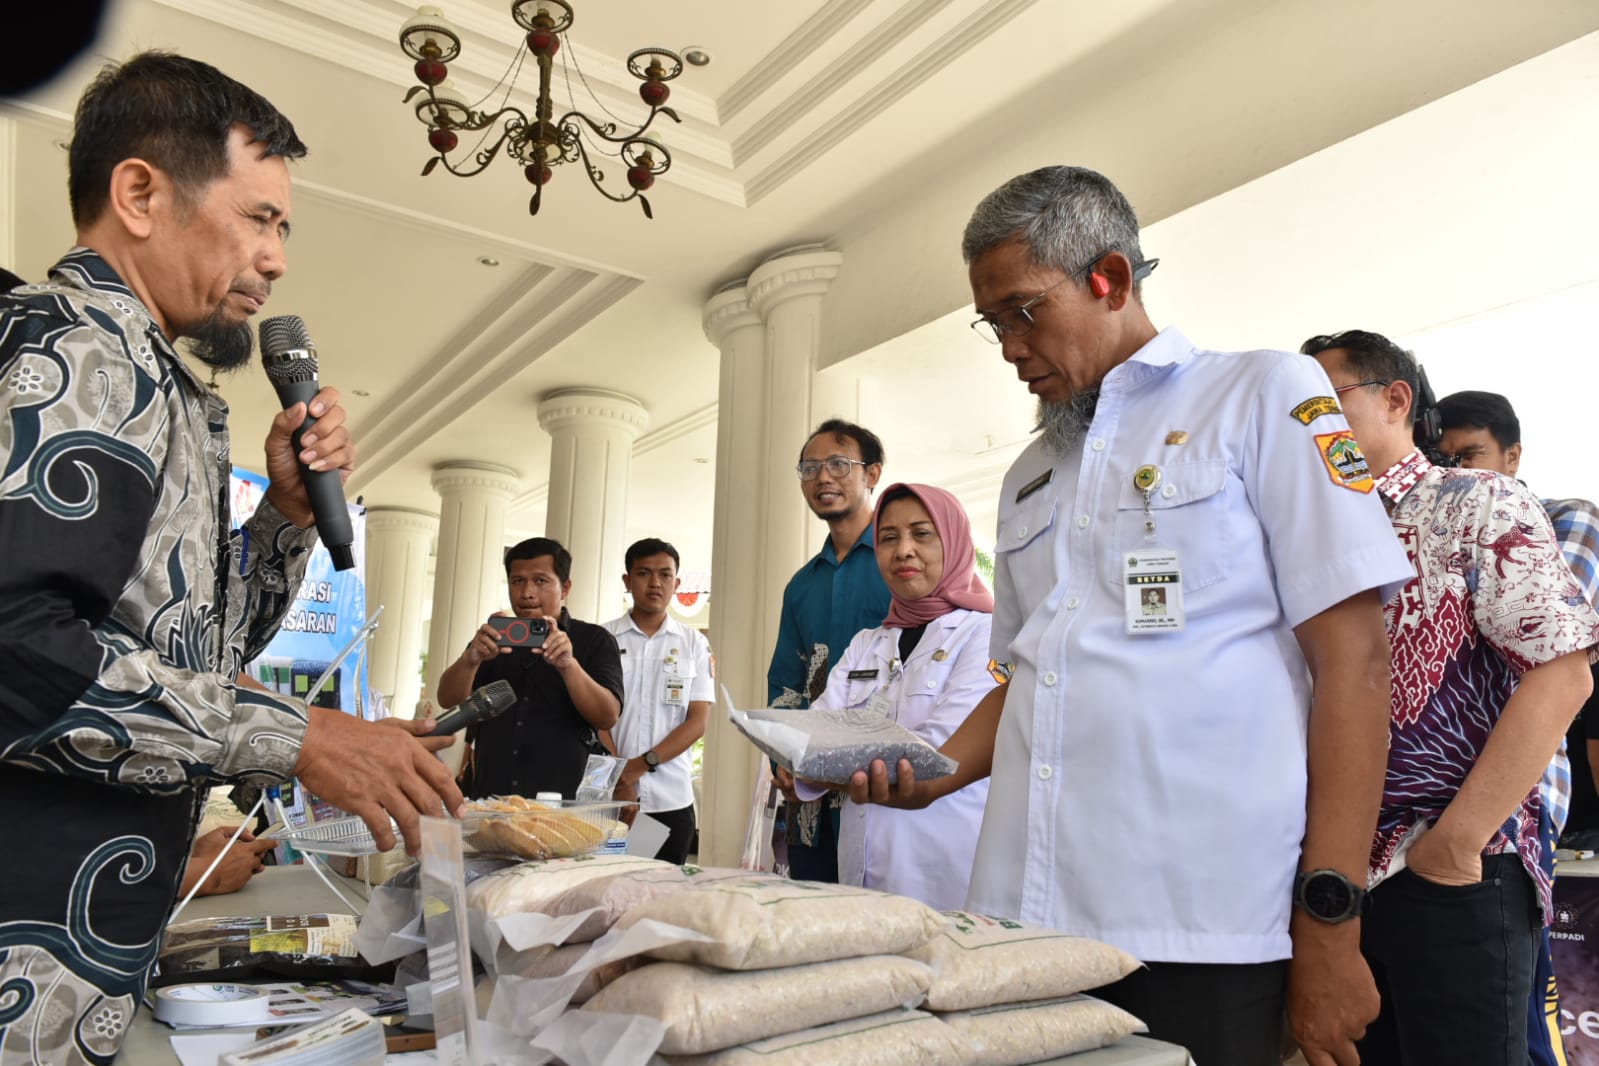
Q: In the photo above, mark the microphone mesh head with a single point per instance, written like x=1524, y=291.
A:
x=496, y=696
x=286, y=350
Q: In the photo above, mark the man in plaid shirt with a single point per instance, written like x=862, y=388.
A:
x=1482, y=432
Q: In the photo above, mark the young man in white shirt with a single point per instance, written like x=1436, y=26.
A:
x=668, y=689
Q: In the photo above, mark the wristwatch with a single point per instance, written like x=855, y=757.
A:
x=652, y=760
x=1329, y=896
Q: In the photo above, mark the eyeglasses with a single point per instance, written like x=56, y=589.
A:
x=1018, y=320
x=837, y=466
x=1341, y=389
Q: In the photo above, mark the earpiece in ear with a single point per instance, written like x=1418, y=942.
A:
x=1099, y=285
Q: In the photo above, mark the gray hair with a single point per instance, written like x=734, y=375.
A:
x=1066, y=215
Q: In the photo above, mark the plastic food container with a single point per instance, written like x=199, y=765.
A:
x=514, y=827
x=336, y=836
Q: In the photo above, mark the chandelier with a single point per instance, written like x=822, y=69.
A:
x=543, y=142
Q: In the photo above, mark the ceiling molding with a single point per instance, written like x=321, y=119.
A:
x=535, y=312
x=798, y=47
x=649, y=442
x=870, y=103
x=675, y=430
x=835, y=77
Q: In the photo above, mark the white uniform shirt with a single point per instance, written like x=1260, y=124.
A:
x=1149, y=790
x=925, y=854
x=675, y=654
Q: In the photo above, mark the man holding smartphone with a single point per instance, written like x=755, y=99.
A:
x=568, y=686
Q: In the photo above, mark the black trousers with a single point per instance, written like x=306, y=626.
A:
x=819, y=861
x=1454, y=967
x=1225, y=1015
x=681, y=823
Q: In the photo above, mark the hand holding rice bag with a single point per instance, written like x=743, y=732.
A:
x=830, y=745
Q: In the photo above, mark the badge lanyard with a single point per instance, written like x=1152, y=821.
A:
x=1151, y=574
x=882, y=701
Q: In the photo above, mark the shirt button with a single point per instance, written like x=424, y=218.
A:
x=932, y=684
x=1082, y=521
x=1045, y=773
x=1169, y=490
x=1099, y=445
x=1049, y=678
x=1022, y=532
x=1071, y=604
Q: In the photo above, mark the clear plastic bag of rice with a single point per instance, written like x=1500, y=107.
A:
x=762, y=922
x=529, y=886
x=978, y=961
x=605, y=900
x=893, y=1038
x=830, y=745
x=705, y=1009
x=1012, y=1034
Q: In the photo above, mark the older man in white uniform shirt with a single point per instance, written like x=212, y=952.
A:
x=668, y=688
x=1149, y=782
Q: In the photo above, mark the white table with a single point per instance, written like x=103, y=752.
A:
x=295, y=890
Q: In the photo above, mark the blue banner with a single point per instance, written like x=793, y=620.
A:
x=329, y=611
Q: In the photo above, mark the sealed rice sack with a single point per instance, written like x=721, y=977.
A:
x=528, y=886
x=555, y=962
x=609, y=898
x=762, y=922
x=1013, y=1034
x=893, y=1038
x=706, y=1009
x=830, y=745
x=978, y=961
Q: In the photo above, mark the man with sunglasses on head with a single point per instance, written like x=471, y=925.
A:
x=835, y=595
x=1490, y=642
x=1149, y=781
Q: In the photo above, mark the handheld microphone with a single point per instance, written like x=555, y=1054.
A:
x=490, y=701
x=290, y=361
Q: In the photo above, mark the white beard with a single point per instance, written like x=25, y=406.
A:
x=1064, y=424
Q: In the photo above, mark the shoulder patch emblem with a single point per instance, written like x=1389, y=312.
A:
x=1314, y=408
x=1346, y=464
x=999, y=671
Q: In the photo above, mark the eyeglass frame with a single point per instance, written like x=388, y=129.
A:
x=799, y=468
x=1339, y=390
x=997, y=329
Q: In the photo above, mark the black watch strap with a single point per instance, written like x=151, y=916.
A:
x=1329, y=896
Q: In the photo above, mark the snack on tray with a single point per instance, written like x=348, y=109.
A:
x=512, y=825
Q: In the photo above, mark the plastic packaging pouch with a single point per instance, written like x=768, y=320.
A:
x=601, y=775
x=832, y=744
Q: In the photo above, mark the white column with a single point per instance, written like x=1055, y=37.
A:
x=469, y=571
x=787, y=293
x=398, y=542
x=592, y=433
x=728, y=775
x=761, y=516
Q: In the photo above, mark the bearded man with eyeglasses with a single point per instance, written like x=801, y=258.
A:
x=1173, y=783
x=835, y=595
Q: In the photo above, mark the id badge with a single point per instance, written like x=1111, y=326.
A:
x=1153, y=591
x=674, y=691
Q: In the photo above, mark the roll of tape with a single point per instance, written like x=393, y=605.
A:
x=212, y=1005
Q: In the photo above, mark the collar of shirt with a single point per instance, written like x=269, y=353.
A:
x=1396, y=482
x=1166, y=349
x=829, y=556
x=85, y=270
x=668, y=625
